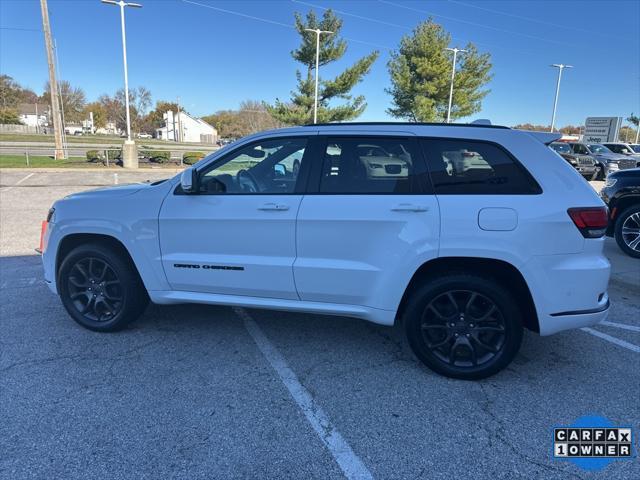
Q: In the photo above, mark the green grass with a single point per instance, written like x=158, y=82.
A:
x=41, y=161
x=103, y=139
x=20, y=161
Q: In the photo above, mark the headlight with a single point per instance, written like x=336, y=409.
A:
x=375, y=165
x=610, y=182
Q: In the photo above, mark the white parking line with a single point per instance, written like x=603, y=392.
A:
x=623, y=326
x=19, y=182
x=609, y=338
x=348, y=461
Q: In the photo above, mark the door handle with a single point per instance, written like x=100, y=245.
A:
x=273, y=206
x=410, y=207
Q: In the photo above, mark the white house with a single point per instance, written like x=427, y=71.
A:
x=33, y=114
x=185, y=128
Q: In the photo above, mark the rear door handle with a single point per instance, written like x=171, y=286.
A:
x=409, y=207
x=274, y=206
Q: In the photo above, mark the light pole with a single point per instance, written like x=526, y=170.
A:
x=129, y=154
x=318, y=32
x=453, y=75
x=560, y=67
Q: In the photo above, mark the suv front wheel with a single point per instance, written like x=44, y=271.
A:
x=464, y=326
x=100, y=289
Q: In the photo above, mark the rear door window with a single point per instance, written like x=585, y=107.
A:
x=475, y=167
x=372, y=165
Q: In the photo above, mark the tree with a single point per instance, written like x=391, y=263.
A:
x=255, y=117
x=300, y=109
x=227, y=123
x=154, y=119
x=100, y=116
x=12, y=93
x=139, y=103
x=421, y=77
x=9, y=116
x=634, y=120
x=73, y=101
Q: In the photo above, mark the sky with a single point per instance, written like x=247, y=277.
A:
x=213, y=54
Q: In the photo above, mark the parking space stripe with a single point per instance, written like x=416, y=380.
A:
x=609, y=338
x=347, y=460
x=19, y=182
x=623, y=326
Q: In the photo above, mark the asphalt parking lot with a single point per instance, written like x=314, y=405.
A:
x=215, y=392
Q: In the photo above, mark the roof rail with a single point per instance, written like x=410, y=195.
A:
x=418, y=124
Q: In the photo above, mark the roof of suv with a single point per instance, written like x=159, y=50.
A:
x=405, y=124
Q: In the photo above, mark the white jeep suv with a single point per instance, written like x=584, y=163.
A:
x=466, y=234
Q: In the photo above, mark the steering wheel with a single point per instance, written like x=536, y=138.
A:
x=246, y=180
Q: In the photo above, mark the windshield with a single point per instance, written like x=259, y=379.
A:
x=561, y=147
x=595, y=148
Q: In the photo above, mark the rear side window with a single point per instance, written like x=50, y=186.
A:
x=475, y=167
x=372, y=165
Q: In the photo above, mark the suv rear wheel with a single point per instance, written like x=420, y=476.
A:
x=99, y=289
x=627, y=231
x=464, y=326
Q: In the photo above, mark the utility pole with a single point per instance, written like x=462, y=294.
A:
x=129, y=151
x=179, y=122
x=560, y=67
x=453, y=75
x=318, y=32
x=53, y=84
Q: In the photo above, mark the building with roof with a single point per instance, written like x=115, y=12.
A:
x=182, y=127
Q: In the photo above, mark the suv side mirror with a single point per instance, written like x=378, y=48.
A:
x=189, y=180
x=280, y=170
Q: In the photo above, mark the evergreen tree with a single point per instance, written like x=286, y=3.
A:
x=421, y=77
x=300, y=109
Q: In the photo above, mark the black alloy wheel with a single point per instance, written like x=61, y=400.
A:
x=464, y=325
x=95, y=289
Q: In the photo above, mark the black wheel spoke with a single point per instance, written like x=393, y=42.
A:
x=95, y=291
x=463, y=328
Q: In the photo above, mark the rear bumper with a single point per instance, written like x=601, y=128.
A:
x=558, y=322
x=569, y=291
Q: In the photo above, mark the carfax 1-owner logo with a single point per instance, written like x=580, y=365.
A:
x=593, y=442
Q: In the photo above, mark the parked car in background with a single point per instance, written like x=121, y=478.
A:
x=608, y=161
x=622, y=149
x=622, y=194
x=467, y=235
x=144, y=135
x=585, y=164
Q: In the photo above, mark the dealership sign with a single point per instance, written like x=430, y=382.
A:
x=601, y=129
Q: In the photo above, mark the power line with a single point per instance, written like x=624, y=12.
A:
x=453, y=19
x=535, y=20
x=22, y=29
x=404, y=27
x=274, y=22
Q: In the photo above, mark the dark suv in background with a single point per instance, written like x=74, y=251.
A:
x=622, y=194
x=607, y=160
x=585, y=164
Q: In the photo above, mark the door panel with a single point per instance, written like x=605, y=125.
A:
x=369, y=225
x=231, y=244
x=236, y=235
x=362, y=250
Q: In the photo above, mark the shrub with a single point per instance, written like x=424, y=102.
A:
x=101, y=155
x=93, y=156
x=189, y=158
x=156, y=156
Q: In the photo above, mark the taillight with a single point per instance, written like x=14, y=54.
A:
x=591, y=221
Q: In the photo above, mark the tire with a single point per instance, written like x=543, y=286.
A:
x=627, y=231
x=100, y=289
x=599, y=173
x=434, y=326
